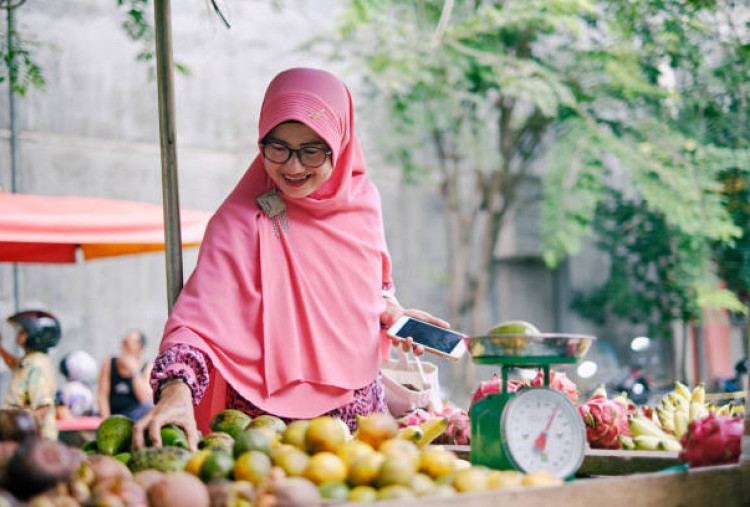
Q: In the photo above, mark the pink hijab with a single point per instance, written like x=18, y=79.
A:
x=292, y=321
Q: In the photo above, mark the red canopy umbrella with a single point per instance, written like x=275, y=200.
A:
x=35, y=228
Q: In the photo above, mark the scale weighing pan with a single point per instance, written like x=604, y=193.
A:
x=519, y=349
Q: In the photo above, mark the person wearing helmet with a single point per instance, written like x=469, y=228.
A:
x=33, y=385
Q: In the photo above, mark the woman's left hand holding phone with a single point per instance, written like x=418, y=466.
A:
x=175, y=406
x=393, y=311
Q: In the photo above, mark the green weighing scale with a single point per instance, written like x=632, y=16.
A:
x=535, y=428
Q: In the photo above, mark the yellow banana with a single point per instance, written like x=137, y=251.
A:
x=670, y=445
x=724, y=409
x=697, y=411
x=682, y=390
x=680, y=424
x=680, y=405
x=431, y=429
x=736, y=409
x=643, y=426
x=626, y=442
x=646, y=443
x=667, y=405
x=410, y=433
x=699, y=393
x=711, y=408
x=666, y=419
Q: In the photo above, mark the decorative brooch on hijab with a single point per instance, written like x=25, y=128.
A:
x=275, y=208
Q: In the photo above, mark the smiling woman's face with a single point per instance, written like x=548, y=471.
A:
x=292, y=177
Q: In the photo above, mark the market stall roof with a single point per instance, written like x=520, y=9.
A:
x=36, y=228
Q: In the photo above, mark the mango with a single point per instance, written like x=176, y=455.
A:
x=114, y=435
x=269, y=421
x=230, y=421
x=217, y=440
x=165, y=459
x=252, y=439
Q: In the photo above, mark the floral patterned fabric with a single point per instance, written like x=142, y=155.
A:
x=194, y=368
x=33, y=386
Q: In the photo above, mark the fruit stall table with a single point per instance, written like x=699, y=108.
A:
x=727, y=486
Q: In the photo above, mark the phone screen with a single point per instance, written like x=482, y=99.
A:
x=429, y=335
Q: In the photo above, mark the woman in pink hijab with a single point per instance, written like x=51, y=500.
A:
x=286, y=309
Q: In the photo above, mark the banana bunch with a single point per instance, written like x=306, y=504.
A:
x=730, y=409
x=648, y=435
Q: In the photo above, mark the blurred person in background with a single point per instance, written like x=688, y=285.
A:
x=124, y=380
x=75, y=398
x=33, y=385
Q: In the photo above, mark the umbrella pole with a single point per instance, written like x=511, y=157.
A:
x=170, y=192
x=13, y=134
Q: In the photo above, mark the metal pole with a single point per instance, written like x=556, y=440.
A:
x=170, y=192
x=14, y=183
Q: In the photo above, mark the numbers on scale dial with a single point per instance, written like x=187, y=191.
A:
x=543, y=431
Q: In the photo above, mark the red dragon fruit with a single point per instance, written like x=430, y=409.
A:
x=713, y=440
x=492, y=386
x=458, y=430
x=560, y=381
x=605, y=419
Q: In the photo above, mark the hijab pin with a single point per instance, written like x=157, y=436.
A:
x=275, y=208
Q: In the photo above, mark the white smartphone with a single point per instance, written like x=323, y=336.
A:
x=435, y=339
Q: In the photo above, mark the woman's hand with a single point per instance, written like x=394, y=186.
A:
x=175, y=407
x=393, y=311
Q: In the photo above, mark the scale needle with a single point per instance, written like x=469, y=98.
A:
x=541, y=440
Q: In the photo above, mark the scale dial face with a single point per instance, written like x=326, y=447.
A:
x=542, y=430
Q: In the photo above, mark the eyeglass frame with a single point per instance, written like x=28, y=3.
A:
x=327, y=152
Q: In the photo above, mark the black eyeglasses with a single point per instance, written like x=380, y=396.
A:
x=308, y=156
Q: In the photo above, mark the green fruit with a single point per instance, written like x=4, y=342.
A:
x=123, y=457
x=334, y=490
x=269, y=421
x=114, y=435
x=90, y=447
x=515, y=327
x=164, y=459
x=217, y=465
x=230, y=421
x=217, y=440
x=252, y=440
x=363, y=494
x=171, y=436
